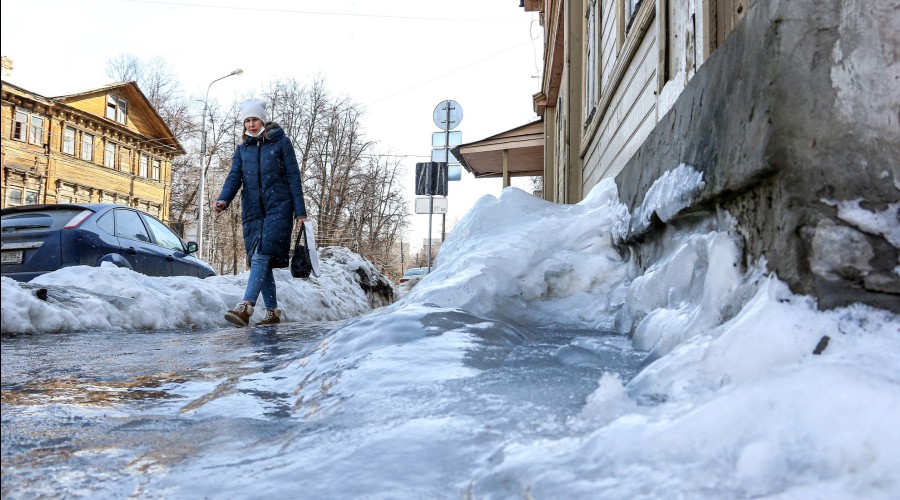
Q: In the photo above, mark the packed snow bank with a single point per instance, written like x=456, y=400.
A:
x=529, y=261
x=744, y=409
x=113, y=298
x=373, y=355
x=749, y=390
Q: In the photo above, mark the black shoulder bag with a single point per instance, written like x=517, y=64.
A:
x=301, y=265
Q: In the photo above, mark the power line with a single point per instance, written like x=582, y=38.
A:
x=321, y=13
x=449, y=73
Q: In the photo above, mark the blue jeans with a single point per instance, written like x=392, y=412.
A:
x=261, y=279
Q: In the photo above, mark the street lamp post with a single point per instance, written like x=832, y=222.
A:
x=200, y=201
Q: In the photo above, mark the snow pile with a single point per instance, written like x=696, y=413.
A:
x=695, y=284
x=671, y=193
x=748, y=389
x=744, y=409
x=112, y=298
x=528, y=261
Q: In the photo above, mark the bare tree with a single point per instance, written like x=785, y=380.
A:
x=125, y=68
x=537, y=185
x=353, y=192
x=164, y=91
x=225, y=245
x=335, y=167
x=379, y=212
x=159, y=85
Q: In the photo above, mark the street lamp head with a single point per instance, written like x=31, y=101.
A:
x=236, y=72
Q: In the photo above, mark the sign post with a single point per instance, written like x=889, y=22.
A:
x=431, y=177
x=431, y=180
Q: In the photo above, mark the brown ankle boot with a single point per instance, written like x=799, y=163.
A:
x=240, y=315
x=273, y=317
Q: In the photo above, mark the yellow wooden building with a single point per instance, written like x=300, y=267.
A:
x=106, y=145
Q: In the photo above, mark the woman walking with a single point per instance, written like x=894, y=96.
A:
x=264, y=168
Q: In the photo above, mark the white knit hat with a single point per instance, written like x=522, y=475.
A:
x=253, y=108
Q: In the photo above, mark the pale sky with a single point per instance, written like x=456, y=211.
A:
x=399, y=59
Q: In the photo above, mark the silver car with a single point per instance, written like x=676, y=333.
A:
x=411, y=277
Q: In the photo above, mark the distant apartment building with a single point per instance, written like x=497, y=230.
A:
x=105, y=145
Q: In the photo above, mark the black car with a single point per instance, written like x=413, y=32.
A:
x=38, y=239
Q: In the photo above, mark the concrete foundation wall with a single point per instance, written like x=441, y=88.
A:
x=797, y=113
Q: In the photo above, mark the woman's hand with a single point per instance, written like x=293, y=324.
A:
x=219, y=205
x=301, y=220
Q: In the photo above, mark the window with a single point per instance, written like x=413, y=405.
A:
x=125, y=159
x=590, y=59
x=68, y=144
x=109, y=155
x=129, y=226
x=28, y=127
x=631, y=8
x=154, y=174
x=14, y=196
x=36, y=132
x=164, y=236
x=31, y=197
x=107, y=223
x=111, y=107
x=122, y=117
x=20, y=126
x=87, y=147
x=65, y=199
x=142, y=166
x=116, y=109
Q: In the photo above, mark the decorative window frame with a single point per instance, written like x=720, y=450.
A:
x=69, y=136
x=87, y=147
x=109, y=157
x=32, y=197
x=35, y=130
x=20, y=126
x=155, y=169
x=143, y=166
x=124, y=160
x=10, y=202
x=28, y=126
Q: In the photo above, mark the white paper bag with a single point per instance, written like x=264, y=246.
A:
x=311, y=244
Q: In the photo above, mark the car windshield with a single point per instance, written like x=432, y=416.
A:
x=416, y=271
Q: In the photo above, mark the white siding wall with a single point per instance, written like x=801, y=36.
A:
x=636, y=88
x=608, y=41
x=631, y=114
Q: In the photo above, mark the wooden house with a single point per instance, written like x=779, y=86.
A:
x=105, y=145
x=612, y=69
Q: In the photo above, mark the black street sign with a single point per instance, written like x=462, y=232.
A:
x=431, y=178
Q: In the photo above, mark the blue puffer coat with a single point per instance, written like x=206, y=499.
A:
x=272, y=194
